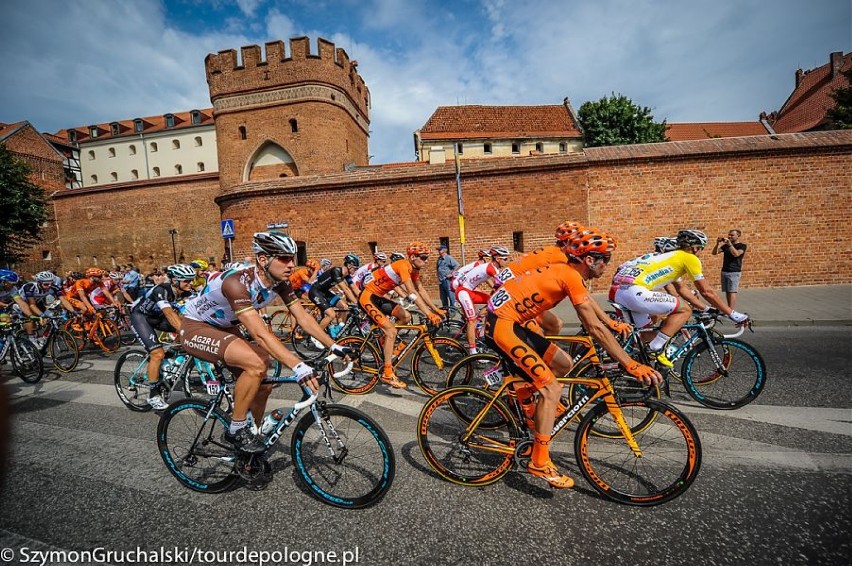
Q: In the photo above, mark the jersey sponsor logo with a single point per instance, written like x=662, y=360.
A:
x=528, y=360
x=203, y=344
x=529, y=303
x=651, y=277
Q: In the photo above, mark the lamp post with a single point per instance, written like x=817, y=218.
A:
x=172, y=233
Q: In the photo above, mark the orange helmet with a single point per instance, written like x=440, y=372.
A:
x=591, y=241
x=417, y=248
x=312, y=264
x=95, y=272
x=567, y=230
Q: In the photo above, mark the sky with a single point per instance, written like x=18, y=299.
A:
x=77, y=62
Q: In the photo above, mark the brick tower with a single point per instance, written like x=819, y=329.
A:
x=291, y=114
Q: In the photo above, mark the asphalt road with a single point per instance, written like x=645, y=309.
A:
x=775, y=485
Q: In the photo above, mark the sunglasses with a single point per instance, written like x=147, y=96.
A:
x=285, y=258
x=424, y=257
x=605, y=257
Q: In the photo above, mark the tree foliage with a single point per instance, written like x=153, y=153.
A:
x=23, y=208
x=841, y=115
x=617, y=120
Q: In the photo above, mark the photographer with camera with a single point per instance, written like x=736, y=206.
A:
x=732, y=263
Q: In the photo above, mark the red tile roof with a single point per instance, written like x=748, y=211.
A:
x=477, y=121
x=704, y=130
x=807, y=105
x=149, y=124
x=6, y=129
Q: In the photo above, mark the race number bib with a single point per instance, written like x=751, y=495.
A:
x=505, y=274
x=499, y=299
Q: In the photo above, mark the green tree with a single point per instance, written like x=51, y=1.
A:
x=24, y=208
x=841, y=115
x=617, y=121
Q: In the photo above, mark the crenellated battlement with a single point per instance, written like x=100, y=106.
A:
x=228, y=75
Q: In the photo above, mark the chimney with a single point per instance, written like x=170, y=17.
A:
x=799, y=74
x=836, y=60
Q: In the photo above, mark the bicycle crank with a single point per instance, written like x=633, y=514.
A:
x=255, y=470
x=523, y=453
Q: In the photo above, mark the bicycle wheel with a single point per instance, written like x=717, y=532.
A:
x=75, y=328
x=728, y=377
x=63, y=351
x=194, y=382
x=669, y=461
x=107, y=336
x=306, y=346
x=280, y=324
x=345, y=459
x=131, y=380
x=26, y=360
x=125, y=330
x=471, y=369
x=486, y=456
x=426, y=373
x=192, y=446
x=364, y=374
x=452, y=329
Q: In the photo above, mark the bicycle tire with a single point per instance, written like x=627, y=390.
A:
x=355, y=476
x=303, y=345
x=26, y=361
x=107, y=337
x=745, y=379
x=451, y=328
x=127, y=336
x=424, y=370
x=194, y=384
x=364, y=375
x=130, y=378
x=470, y=370
x=193, y=449
x=280, y=324
x=670, y=456
x=79, y=335
x=440, y=427
x=63, y=351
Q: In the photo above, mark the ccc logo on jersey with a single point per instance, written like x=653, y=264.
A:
x=529, y=303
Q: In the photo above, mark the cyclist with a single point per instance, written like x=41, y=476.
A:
x=404, y=275
x=200, y=266
x=465, y=286
x=40, y=290
x=638, y=290
x=396, y=256
x=538, y=360
x=10, y=295
x=78, y=294
x=303, y=277
x=209, y=330
x=98, y=297
x=158, y=312
x=364, y=274
x=323, y=293
x=325, y=265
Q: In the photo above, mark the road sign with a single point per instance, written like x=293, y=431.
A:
x=277, y=225
x=228, y=229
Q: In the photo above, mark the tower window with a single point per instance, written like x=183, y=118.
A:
x=516, y=148
x=196, y=117
x=134, y=174
x=294, y=126
x=487, y=148
x=94, y=178
x=93, y=131
x=242, y=132
x=539, y=147
x=113, y=176
x=114, y=128
x=72, y=136
x=91, y=154
x=563, y=147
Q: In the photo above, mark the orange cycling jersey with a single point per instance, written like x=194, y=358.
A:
x=300, y=278
x=391, y=276
x=87, y=285
x=533, y=260
x=525, y=297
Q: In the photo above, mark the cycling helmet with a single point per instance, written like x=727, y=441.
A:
x=498, y=251
x=114, y=275
x=273, y=244
x=9, y=276
x=591, y=241
x=694, y=238
x=483, y=254
x=44, y=277
x=233, y=265
x=325, y=263
x=396, y=256
x=352, y=259
x=417, y=248
x=312, y=264
x=380, y=256
x=199, y=264
x=180, y=272
x=567, y=230
x=75, y=275
x=95, y=272
x=663, y=244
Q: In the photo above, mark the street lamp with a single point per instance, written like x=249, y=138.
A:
x=172, y=233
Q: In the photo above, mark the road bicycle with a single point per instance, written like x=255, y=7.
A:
x=431, y=359
x=718, y=370
x=56, y=342
x=178, y=369
x=282, y=323
x=340, y=454
x=25, y=358
x=472, y=437
x=121, y=318
x=95, y=328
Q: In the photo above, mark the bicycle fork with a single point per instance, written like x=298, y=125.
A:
x=322, y=421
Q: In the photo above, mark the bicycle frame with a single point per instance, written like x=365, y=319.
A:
x=422, y=335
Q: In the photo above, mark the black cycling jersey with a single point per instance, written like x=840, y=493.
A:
x=33, y=290
x=156, y=300
x=328, y=279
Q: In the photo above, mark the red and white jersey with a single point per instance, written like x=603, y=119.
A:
x=97, y=295
x=364, y=275
x=474, y=274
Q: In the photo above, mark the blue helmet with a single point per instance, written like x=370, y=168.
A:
x=9, y=276
x=352, y=260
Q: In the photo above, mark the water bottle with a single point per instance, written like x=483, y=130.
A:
x=271, y=421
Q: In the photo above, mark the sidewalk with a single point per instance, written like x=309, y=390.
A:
x=822, y=305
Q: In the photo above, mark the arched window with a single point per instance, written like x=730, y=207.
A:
x=94, y=178
x=132, y=149
x=113, y=176
x=91, y=154
x=134, y=174
x=242, y=132
x=270, y=161
x=200, y=166
x=198, y=141
x=111, y=152
x=175, y=144
x=153, y=147
x=178, y=169
x=156, y=171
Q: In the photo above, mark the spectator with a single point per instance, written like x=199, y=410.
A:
x=732, y=263
x=131, y=282
x=446, y=265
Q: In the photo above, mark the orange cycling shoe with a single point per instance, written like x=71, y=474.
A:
x=391, y=379
x=551, y=475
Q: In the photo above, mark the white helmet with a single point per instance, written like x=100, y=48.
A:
x=44, y=277
x=273, y=244
x=695, y=238
x=181, y=272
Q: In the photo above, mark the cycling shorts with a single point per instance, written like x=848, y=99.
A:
x=530, y=353
x=378, y=309
x=146, y=329
x=642, y=303
x=322, y=300
x=205, y=341
x=468, y=298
